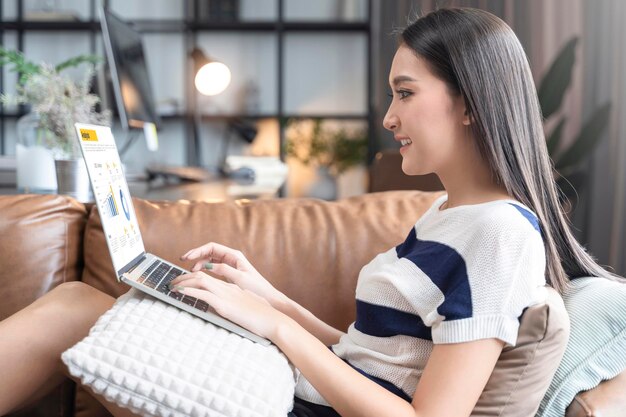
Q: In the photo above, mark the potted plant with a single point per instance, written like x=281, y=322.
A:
x=331, y=150
x=46, y=134
x=569, y=160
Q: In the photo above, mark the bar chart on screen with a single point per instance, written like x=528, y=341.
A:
x=111, y=204
x=109, y=191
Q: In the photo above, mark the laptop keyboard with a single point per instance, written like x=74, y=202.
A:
x=159, y=274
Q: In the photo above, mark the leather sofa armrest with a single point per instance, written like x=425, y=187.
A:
x=41, y=243
x=605, y=400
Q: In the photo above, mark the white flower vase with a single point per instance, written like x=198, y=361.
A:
x=325, y=187
x=47, y=165
x=73, y=179
x=36, y=171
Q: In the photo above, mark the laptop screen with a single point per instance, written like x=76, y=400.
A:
x=111, y=193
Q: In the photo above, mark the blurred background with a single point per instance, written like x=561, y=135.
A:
x=305, y=89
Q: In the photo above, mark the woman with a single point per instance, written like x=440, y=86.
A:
x=434, y=313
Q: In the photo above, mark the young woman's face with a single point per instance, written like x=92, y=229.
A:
x=423, y=116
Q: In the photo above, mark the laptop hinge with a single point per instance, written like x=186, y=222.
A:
x=132, y=264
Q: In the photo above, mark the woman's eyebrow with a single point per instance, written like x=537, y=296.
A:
x=402, y=78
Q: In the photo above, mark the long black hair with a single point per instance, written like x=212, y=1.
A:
x=479, y=57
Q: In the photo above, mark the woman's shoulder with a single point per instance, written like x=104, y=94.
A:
x=480, y=226
x=501, y=213
x=507, y=216
x=506, y=227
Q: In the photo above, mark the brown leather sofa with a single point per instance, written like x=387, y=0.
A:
x=311, y=250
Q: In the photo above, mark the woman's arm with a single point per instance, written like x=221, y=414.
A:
x=455, y=376
x=233, y=266
x=327, y=334
x=450, y=385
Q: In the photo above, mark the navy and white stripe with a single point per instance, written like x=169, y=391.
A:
x=382, y=321
x=461, y=274
x=528, y=215
x=447, y=270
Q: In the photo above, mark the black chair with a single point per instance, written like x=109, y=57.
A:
x=386, y=174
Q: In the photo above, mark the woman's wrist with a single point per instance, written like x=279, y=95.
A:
x=285, y=328
x=281, y=302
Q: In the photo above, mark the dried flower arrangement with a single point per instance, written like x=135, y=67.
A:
x=58, y=100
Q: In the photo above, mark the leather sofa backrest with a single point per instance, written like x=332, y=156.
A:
x=310, y=249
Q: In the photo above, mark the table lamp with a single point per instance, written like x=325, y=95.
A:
x=212, y=77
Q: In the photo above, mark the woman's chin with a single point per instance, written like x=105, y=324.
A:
x=412, y=170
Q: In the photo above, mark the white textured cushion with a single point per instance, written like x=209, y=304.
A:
x=158, y=360
x=597, y=344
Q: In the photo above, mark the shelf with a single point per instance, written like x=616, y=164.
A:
x=180, y=26
x=214, y=117
x=337, y=116
x=285, y=26
x=11, y=115
x=93, y=25
x=297, y=26
x=233, y=26
x=58, y=26
x=190, y=28
x=161, y=25
x=208, y=117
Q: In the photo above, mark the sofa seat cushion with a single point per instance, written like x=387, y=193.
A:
x=597, y=345
x=157, y=360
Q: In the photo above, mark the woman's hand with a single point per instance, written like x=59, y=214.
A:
x=238, y=305
x=233, y=266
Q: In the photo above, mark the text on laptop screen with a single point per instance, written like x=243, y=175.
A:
x=111, y=193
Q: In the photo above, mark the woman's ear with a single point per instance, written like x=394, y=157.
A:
x=467, y=119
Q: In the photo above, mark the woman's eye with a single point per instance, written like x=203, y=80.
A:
x=403, y=94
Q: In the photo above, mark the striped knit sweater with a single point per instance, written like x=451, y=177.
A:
x=462, y=274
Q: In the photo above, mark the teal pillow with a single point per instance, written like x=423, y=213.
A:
x=597, y=344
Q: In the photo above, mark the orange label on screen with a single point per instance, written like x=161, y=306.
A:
x=88, y=135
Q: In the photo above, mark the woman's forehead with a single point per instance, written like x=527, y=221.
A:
x=406, y=64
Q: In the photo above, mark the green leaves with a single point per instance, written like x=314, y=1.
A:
x=77, y=60
x=586, y=140
x=57, y=99
x=27, y=68
x=554, y=140
x=552, y=88
x=20, y=64
x=557, y=80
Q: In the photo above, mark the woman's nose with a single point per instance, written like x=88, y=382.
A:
x=390, y=122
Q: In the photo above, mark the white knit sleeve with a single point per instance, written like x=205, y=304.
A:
x=505, y=265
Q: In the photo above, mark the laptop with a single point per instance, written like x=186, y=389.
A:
x=133, y=266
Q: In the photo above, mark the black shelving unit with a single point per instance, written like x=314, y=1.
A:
x=191, y=28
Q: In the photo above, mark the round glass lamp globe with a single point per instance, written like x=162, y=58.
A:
x=212, y=79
